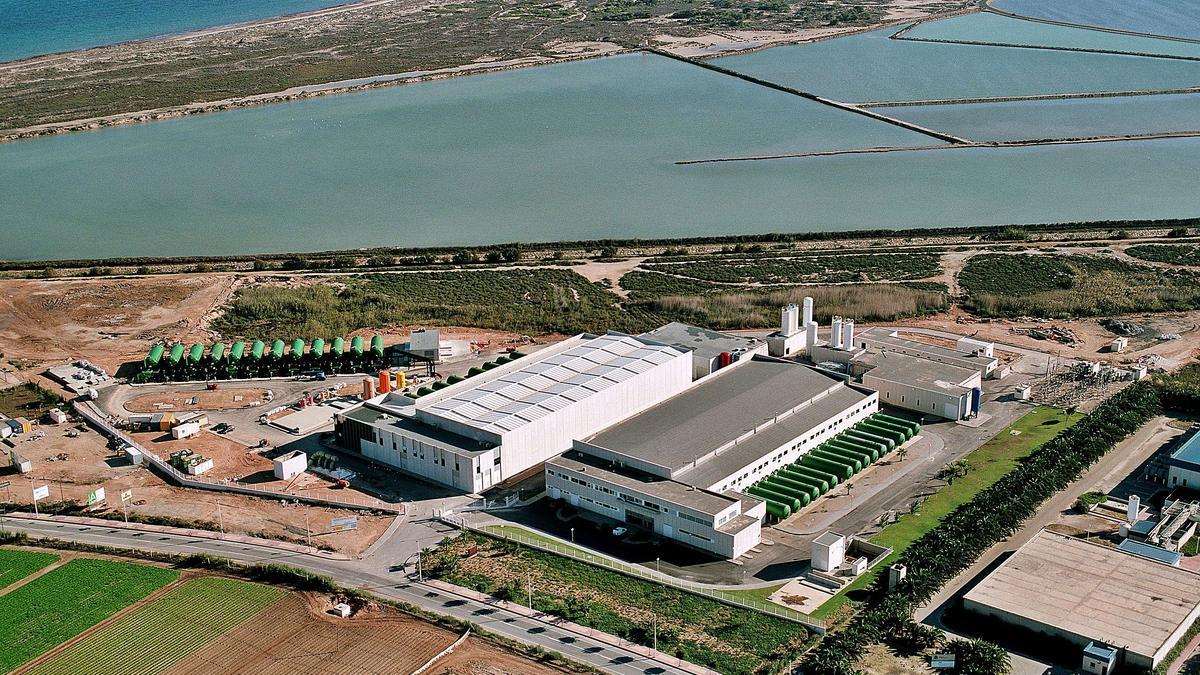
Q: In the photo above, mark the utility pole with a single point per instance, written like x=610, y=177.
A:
x=529, y=587
x=220, y=517
x=307, y=529
x=420, y=572
x=655, y=614
x=572, y=535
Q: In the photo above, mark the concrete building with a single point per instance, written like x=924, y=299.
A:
x=889, y=340
x=710, y=350
x=828, y=552
x=1084, y=593
x=1183, y=466
x=920, y=385
x=288, y=466
x=497, y=424
x=677, y=468
x=797, y=331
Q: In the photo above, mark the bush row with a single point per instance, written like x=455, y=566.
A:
x=992, y=515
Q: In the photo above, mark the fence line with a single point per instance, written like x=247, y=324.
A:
x=90, y=413
x=597, y=560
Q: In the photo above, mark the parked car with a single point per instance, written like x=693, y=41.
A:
x=620, y=531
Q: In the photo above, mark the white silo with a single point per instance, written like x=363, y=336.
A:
x=808, y=309
x=1135, y=505
x=811, y=340
x=848, y=334
x=835, y=333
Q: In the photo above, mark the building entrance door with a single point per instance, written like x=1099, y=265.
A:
x=638, y=520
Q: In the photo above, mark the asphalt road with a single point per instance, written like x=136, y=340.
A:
x=397, y=586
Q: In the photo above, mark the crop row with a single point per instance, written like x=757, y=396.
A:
x=66, y=601
x=159, y=634
x=16, y=565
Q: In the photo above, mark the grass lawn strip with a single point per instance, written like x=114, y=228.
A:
x=988, y=464
x=16, y=565
x=156, y=635
x=63, y=603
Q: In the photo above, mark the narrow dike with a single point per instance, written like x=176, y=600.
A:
x=1029, y=97
x=812, y=97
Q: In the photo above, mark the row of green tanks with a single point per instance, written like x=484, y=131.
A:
x=242, y=359
x=835, y=461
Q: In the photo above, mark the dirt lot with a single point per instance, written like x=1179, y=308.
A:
x=89, y=465
x=297, y=635
x=221, y=399
x=230, y=458
x=106, y=321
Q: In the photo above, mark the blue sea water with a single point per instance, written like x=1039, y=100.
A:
x=34, y=27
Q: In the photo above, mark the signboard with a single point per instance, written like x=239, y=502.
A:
x=40, y=493
x=126, y=495
x=344, y=524
x=5, y=484
x=942, y=661
x=95, y=496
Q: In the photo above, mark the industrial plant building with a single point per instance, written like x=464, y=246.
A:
x=1090, y=594
x=678, y=468
x=967, y=353
x=1183, y=467
x=710, y=350
x=475, y=433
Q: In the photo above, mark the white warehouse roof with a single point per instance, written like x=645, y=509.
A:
x=542, y=386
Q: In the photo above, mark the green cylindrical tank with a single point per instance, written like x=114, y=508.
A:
x=815, y=473
x=439, y=385
x=868, y=436
x=821, y=484
x=277, y=349
x=516, y=355
x=474, y=370
x=377, y=345
x=839, y=469
x=799, y=495
x=488, y=365
x=176, y=354
x=908, y=433
x=258, y=349
x=411, y=395
x=853, y=464
x=767, y=493
x=871, y=454
x=218, y=352
x=155, y=355
x=856, y=459
x=813, y=491
x=896, y=436
x=502, y=359
x=317, y=349
x=778, y=510
x=339, y=345
x=237, y=351
x=876, y=448
x=424, y=391
x=196, y=353
x=914, y=426
x=297, y=349
x=455, y=379
x=356, y=345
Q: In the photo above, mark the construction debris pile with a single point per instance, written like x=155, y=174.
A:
x=1064, y=336
x=1123, y=328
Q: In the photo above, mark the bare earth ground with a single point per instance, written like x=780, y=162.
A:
x=398, y=40
x=298, y=636
x=221, y=399
x=88, y=464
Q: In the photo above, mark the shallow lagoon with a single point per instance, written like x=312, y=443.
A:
x=1164, y=17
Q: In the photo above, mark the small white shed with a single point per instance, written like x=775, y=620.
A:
x=828, y=552
x=185, y=430
x=290, y=465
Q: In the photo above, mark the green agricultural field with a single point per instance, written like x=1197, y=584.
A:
x=811, y=269
x=1064, y=286
x=704, y=631
x=159, y=634
x=16, y=565
x=987, y=464
x=66, y=601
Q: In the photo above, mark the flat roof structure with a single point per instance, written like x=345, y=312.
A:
x=917, y=372
x=1092, y=592
x=546, y=385
x=1187, y=455
x=702, y=342
x=885, y=338
x=716, y=420
x=704, y=501
x=1150, y=552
